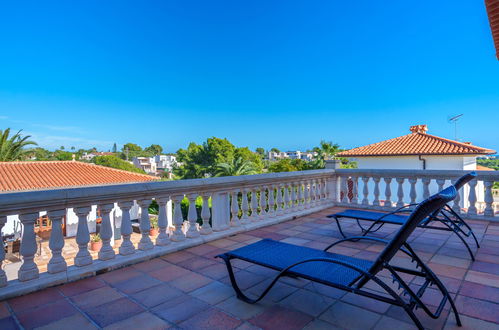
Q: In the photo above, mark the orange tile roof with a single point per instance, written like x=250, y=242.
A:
x=416, y=143
x=16, y=176
x=493, y=12
x=483, y=168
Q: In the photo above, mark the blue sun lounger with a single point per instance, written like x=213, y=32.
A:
x=350, y=273
x=444, y=219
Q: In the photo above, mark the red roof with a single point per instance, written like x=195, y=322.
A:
x=15, y=176
x=416, y=143
x=493, y=12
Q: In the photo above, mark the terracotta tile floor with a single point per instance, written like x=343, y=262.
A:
x=190, y=289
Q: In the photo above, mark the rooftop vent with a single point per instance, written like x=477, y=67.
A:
x=419, y=129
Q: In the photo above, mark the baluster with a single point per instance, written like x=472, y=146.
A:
x=126, y=247
x=145, y=242
x=294, y=197
x=106, y=232
x=287, y=199
x=244, y=206
x=254, y=205
x=28, y=270
x=400, y=192
x=376, y=191
x=355, y=190
x=178, y=220
x=57, y=263
x=344, y=189
x=271, y=212
x=412, y=194
x=301, y=196
x=315, y=193
x=234, y=221
x=365, y=190
x=440, y=183
x=472, y=197
x=280, y=206
x=3, y=277
x=388, y=192
x=263, y=203
x=83, y=257
x=192, y=217
x=426, y=187
x=205, y=215
x=306, y=189
x=162, y=238
x=488, y=199
x=456, y=205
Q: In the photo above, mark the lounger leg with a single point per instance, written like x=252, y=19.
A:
x=413, y=317
x=239, y=293
x=462, y=240
x=339, y=227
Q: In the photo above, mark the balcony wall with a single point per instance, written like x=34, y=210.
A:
x=238, y=204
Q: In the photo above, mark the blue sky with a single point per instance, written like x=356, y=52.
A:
x=260, y=73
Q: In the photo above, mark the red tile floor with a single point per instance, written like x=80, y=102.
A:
x=190, y=289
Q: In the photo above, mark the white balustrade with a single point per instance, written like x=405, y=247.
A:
x=83, y=257
x=29, y=269
x=254, y=205
x=472, y=197
x=57, y=263
x=279, y=204
x=244, y=207
x=400, y=191
x=3, y=277
x=488, y=199
x=388, y=192
x=263, y=203
x=376, y=201
x=205, y=215
x=365, y=191
x=192, y=217
x=163, y=238
x=126, y=247
x=234, y=220
x=145, y=225
x=178, y=220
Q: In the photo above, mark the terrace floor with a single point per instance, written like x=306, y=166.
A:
x=190, y=289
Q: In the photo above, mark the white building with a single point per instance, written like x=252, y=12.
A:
x=91, y=155
x=418, y=150
x=147, y=164
x=297, y=154
x=156, y=165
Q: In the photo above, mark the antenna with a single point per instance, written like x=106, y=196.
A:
x=454, y=120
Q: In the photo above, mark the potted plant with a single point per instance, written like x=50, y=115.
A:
x=95, y=242
x=154, y=225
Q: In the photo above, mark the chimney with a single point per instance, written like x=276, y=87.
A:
x=74, y=157
x=419, y=129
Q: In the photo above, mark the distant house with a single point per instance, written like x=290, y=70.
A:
x=22, y=176
x=156, y=165
x=297, y=154
x=419, y=150
x=89, y=156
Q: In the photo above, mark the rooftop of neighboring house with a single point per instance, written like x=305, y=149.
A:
x=493, y=12
x=418, y=142
x=18, y=176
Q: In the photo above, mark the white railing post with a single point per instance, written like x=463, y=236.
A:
x=83, y=257
x=205, y=215
x=376, y=201
x=163, y=238
x=3, y=277
x=126, y=247
x=234, y=209
x=145, y=242
x=306, y=189
x=192, y=217
x=488, y=199
x=355, y=190
x=263, y=203
x=57, y=263
x=344, y=189
x=412, y=193
x=388, y=192
x=220, y=209
x=426, y=187
x=106, y=232
x=472, y=210
x=279, y=206
x=287, y=198
x=271, y=211
x=440, y=184
x=301, y=196
x=400, y=191
x=178, y=219
x=244, y=206
x=365, y=190
x=254, y=204
x=29, y=269
x=456, y=205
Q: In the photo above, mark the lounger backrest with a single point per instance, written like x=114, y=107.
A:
x=424, y=209
x=464, y=180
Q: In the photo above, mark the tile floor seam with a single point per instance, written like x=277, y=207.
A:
x=81, y=312
x=13, y=315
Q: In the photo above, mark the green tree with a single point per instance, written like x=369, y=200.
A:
x=260, y=151
x=115, y=162
x=62, y=155
x=13, y=147
x=288, y=165
x=154, y=149
x=326, y=150
x=275, y=150
x=131, y=150
x=201, y=160
x=236, y=167
x=115, y=148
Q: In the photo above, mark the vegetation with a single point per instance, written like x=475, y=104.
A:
x=115, y=162
x=289, y=165
x=200, y=161
x=237, y=166
x=492, y=163
x=95, y=238
x=13, y=147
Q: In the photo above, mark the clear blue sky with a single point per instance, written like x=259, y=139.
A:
x=260, y=73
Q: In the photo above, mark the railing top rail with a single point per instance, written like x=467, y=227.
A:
x=443, y=174
x=23, y=201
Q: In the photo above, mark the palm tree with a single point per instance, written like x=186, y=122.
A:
x=12, y=148
x=235, y=167
x=326, y=150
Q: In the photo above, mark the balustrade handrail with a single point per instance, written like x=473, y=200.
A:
x=434, y=174
x=53, y=199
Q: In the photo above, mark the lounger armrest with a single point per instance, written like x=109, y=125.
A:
x=357, y=238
